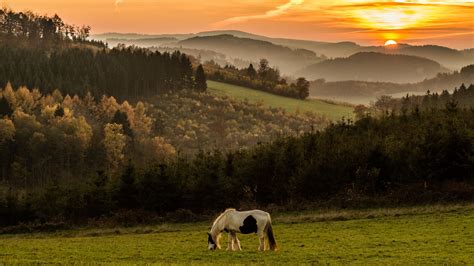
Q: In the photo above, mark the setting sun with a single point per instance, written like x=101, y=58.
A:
x=390, y=42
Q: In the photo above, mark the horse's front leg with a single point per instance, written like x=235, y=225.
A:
x=230, y=245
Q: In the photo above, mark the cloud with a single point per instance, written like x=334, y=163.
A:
x=279, y=10
x=117, y=5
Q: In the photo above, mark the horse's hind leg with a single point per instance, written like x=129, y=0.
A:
x=261, y=247
x=237, y=243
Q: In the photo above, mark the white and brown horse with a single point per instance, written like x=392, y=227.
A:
x=246, y=222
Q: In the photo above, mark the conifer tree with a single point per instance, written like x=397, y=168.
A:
x=200, y=79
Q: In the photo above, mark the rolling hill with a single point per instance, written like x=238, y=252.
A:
x=331, y=110
x=290, y=55
x=451, y=58
x=363, y=91
x=370, y=66
x=286, y=59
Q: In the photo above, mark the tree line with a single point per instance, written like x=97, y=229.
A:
x=265, y=78
x=462, y=97
x=30, y=29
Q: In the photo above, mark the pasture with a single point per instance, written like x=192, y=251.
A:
x=331, y=110
x=408, y=236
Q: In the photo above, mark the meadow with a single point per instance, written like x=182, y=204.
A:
x=331, y=110
x=431, y=235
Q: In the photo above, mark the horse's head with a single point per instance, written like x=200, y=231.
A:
x=211, y=242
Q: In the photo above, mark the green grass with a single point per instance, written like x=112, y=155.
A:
x=436, y=236
x=332, y=111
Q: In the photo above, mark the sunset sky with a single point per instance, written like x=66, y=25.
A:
x=443, y=22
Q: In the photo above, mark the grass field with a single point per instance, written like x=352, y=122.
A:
x=434, y=236
x=330, y=110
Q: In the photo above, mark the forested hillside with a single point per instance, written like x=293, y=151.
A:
x=121, y=72
x=462, y=97
x=418, y=157
x=46, y=53
x=55, y=137
x=262, y=77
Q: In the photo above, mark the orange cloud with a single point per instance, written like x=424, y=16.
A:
x=279, y=10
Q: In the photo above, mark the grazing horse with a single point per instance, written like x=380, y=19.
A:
x=232, y=222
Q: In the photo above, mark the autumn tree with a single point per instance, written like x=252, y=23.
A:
x=114, y=143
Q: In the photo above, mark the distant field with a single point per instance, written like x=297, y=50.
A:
x=330, y=110
x=435, y=237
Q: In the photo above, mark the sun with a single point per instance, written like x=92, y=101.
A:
x=390, y=42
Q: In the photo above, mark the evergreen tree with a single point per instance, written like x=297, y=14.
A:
x=200, y=79
x=5, y=108
x=251, y=72
x=121, y=118
x=59, y=112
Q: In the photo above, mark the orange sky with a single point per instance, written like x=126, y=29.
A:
x=444, y=22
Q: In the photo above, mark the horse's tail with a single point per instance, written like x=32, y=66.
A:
x=271, y=237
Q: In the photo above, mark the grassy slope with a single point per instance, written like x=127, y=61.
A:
x=331, y=111
x=436, y=237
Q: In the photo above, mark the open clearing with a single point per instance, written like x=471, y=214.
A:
x=440, y=236
x=332, y=111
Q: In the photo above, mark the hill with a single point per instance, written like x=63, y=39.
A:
x=451, y=58
x=370, y=66
x=286, y=59
x=146, y=42
x=330, y=110
x=364, y=91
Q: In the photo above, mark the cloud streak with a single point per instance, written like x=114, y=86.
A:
x=279, y=10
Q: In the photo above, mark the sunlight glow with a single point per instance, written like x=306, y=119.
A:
x=390, y=42
x=392, y=17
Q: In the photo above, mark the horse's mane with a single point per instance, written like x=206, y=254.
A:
x=222, y=215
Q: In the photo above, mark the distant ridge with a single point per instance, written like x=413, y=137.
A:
x=286, y=59
x=448, y=57
x=371, y=66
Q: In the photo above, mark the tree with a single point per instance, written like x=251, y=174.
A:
x=263, y=68
x=114, y=143
x=360, y=111
x=5, y=108
x=59, y=112
x=251, y=72
x=7, y=130
x=200, y=79
x=302, y=86
x=121, y=118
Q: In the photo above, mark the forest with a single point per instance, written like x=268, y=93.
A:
x=46, y=53
x=421, y=155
